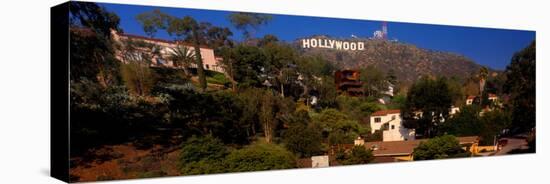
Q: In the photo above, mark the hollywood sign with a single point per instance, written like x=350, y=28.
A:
x=332, y=44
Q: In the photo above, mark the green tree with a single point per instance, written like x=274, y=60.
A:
x=202, y=155
x=280, y=60
x=303, y=140
x=188, y=29
x=456, y=91
x=228, y=65
x=357, y=155
x=268, y=39
x=216, y=113
x=152, y=21
x=357, y=107
x=251, y=105
x=218, y=37
x=493, y=123
x=94, y=17
x=446, y=146
x=267, y=115
x=259, y=157
x=375, y=82
x=138, y=79
x=136, y=73
x=427, y=106
x=465, y=123
x=469, y=122
x=483, y=74
x=248, y=63
x=338, y=127
x=327, y=92
x=520, y=85
x=272, y=110
x=248, y=23
x=397, y=102
x=92, y=48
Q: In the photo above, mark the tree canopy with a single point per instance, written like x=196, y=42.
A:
x=259, y=157
x=427, y=106
x=202, y=155
x=305, y=140
x=357, y=155
x=520, y=84
x=248, y=23
x=446, y=146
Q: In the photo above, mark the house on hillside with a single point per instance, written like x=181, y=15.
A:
x=493, y=98
x=209, y=60
x=470, y=100
x=348, y=82
x=454, y=110
x=391, y=125
x=395, y=151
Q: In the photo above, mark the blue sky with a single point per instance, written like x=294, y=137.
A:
x=490, y=47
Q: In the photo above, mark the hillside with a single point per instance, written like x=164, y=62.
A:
x=408, y=61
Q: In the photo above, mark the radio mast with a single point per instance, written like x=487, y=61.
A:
x=385, y=30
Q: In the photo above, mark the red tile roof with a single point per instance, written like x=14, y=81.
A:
x=386, y=112
x=471, y=97
x=158, y=40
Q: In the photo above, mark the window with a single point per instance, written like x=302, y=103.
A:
x=207, y=67
x=393, y=117
x=392, y=127
x=377, y=120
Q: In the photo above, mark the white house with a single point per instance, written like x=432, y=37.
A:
x=319, y=161
x=470, y=100
x=493, y=98
x=390, y=123
x=454, y=110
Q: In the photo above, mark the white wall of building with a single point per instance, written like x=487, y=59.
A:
x=319, y=161
x=398, y=134
x=376, y=122
x=396, y=131
x=207, y=54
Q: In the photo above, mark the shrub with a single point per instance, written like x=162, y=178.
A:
x=217, y=78
x=199, y=155
x=446, y=146
x=357, y=155
x=303, y=140
x=138, y=79
x=258, y=157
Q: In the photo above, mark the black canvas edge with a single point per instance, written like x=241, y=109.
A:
x=59, y=99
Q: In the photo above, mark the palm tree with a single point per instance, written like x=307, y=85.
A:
x=182, y=57
x=189, y=28
x=483, y=73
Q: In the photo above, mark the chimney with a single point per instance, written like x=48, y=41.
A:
x=359, y=141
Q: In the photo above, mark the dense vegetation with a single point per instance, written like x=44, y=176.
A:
x=438, y=148
x=261, y=114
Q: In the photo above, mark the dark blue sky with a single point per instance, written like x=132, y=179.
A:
x=490, y=47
